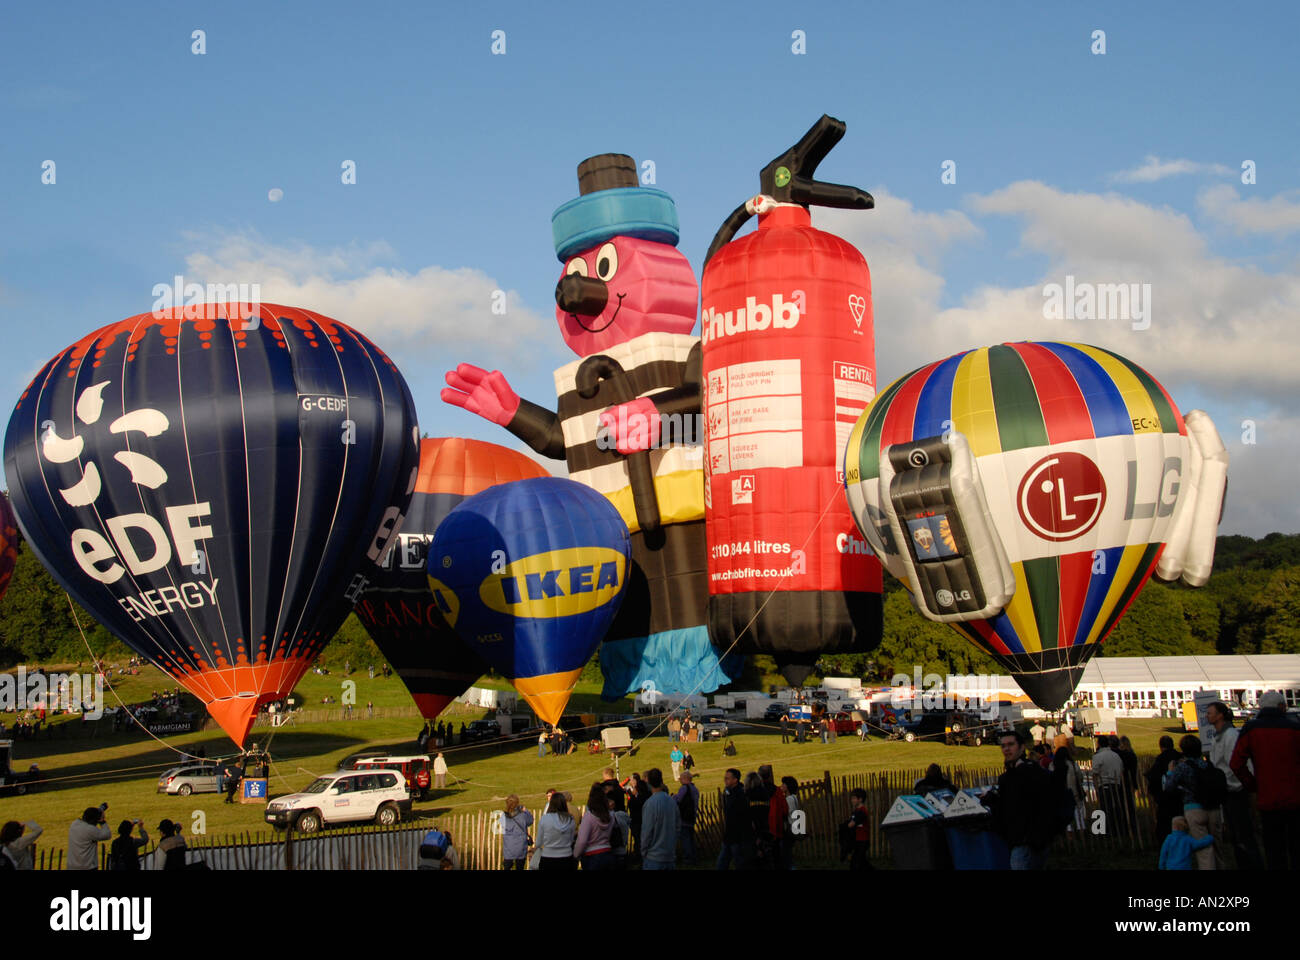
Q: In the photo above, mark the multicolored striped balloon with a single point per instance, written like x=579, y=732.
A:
x=1081, y=455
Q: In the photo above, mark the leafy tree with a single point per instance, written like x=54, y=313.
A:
x=1156, y=625
x=911, y=640
x=1280, y=606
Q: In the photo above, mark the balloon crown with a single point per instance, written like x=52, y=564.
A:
x=612, y=203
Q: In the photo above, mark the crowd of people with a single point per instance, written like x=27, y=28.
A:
x=86, y=835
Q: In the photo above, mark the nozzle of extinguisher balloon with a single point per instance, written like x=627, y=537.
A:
x=789, y=178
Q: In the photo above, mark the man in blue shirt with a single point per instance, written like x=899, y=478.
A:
x=659, y=823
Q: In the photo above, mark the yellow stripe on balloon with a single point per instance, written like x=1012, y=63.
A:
x=1021, y=613
x=972, y=404
x=680, y=495
x=1125, y=571
x=1141, y=410
x=853, y=451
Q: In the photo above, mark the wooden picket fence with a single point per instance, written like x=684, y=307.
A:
x=825, y=802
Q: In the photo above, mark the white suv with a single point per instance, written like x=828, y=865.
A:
x=343, y=797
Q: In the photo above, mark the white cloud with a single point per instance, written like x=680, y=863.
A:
x=1278, y=215
x=1153, y=169
x=411, y=316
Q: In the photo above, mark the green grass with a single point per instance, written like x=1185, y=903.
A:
x=122, y=769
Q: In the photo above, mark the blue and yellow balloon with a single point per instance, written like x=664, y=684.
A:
x=530, y=574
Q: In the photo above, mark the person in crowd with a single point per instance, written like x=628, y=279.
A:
x=1065, y=772
x=621, y=832
x=688, y=762
x=1037, y=732
x=659, y=825
x=932, y=781
x=638, y=793
x=859, y=823
x=1201, y=811
x=737, y=828
x=608, y=781
x=84, y=837
x=674, y=728
x=785, y=728
x=675, y=757
x=777, y=814
x=688, y=806
x=759, y=800
x=17, y=844
x=1271, y=745
x=231, y=774
x=1238, y=817
x=124, y=852
x=1108, y=777
x=555, y=835
x=541, y=742
x=594, y=846
x=451, y=856
x=440, y=771
x=1130, y=760
x=172, y=846
x=515, y=838
x=1026, y=806
x=1168, y=803
x=1178, y=847
x=793, y=821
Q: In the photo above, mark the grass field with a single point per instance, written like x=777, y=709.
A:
x=122, y=769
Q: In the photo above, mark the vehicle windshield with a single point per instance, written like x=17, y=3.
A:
x=319, y=785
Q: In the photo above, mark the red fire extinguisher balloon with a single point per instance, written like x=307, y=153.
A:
x=789, y=365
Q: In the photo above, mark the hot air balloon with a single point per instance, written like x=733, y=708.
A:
x=789, y=360
x=8, y=543
x=212, y=483
x=1026, y=492
x=397, y=608
x=531, y=574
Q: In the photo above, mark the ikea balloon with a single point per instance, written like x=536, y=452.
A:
x=789, y=363
x=8, y=543
x=531, y=574
x=397, y=608
x=212, y=483
x=1025, y=493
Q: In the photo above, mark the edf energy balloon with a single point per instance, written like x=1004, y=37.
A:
x=8, y=543
x=397, y=608
x=212, y=483
x=1025, y=492
x=789, y=365
x=531, y=574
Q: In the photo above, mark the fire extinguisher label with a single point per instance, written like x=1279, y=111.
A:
x=854, y=387
x=755, y=416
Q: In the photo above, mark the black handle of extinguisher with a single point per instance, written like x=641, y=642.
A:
x=789, y=179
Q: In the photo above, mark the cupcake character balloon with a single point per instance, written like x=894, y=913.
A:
x=627, y=418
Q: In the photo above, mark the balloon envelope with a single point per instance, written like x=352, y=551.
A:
x=531, y=574
x=397, y=608
x=1080, y=453
x=209, y=486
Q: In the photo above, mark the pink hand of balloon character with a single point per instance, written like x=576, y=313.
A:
x=487, y=394
x=630, y=427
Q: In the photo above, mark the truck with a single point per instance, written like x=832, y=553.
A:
x=1096, y=721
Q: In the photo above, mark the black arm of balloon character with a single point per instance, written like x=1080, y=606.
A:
x=491, y=397
x=638, y=425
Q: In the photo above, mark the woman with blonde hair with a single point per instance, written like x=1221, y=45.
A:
x=515, y=839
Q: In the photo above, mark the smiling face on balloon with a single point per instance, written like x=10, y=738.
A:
x=623, y=288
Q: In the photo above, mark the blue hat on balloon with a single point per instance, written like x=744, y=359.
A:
x=612, y=203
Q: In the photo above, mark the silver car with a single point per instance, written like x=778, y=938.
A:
x=191, y=779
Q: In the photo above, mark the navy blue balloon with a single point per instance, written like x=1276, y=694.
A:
x=213, y=488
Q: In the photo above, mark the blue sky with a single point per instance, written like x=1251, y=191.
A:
x=165, y=160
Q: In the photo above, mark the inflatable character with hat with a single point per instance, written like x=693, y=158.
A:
x=627, y=418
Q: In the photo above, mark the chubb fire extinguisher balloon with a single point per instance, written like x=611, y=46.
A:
x=789, y=365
